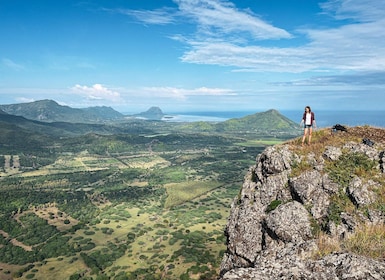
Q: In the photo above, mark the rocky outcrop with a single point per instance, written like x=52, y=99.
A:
x=291, y=197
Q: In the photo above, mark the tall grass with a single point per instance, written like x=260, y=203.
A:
x=326, y=245
x=368, y=240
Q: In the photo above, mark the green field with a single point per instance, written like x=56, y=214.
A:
x=126, y=207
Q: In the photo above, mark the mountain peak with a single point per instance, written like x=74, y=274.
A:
x=153, y=113
x=296, y=199
x=268, y=121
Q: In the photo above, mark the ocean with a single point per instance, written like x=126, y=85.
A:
x=323, y=118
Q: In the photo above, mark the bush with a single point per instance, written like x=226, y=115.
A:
x=274, y=204
x=348, y=165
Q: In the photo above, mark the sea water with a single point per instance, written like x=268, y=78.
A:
x=348, y=118
x=323, y=118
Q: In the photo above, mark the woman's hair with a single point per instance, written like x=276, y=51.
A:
x=308, y=108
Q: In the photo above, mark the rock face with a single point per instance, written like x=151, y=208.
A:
x=291, y=197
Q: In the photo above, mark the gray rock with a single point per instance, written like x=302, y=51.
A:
x=359, y=192
x=370, y=152
x=338, y=266
x=329, y=186
x=289, y=222
x=308, y=189
x=268, y=243
x=332, y=153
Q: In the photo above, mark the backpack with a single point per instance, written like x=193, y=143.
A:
x=339, y=127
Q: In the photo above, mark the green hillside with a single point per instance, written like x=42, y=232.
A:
x=51, y=111
x=268, y=121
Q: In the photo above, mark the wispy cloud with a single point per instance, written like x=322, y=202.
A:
x=363, y=79
x=354, y=46
x=228, y=36
x=159, y=16
x=96, y=92
x=181, y=93
x=249, y=58
x=213, y=16
x=12, y=65
x=354, y=9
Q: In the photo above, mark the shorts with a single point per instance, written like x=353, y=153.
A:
x=308, y=125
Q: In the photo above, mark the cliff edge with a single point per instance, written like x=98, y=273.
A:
x=313, y=212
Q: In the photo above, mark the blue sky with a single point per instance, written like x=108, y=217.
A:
x=193, y=55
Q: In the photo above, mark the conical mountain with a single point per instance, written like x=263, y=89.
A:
x=268, y=121
x=154, y=113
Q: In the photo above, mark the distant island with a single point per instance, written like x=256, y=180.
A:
x=154, y=113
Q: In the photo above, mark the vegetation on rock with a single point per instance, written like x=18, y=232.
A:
x=312, y=211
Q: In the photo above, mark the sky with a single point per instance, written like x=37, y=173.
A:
x=194, y=55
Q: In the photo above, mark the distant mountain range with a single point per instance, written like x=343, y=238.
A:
x=50, y=111
x=22, y=124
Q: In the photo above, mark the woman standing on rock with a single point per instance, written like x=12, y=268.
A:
x=308, y=120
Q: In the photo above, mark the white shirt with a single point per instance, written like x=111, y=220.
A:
x=308, y=119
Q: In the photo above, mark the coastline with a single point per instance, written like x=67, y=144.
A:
x=324, y=118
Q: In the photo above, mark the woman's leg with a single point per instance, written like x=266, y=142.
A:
x=310, y=132
x=305, y=131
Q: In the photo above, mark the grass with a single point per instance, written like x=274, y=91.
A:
x=56, y=267
x=186, y=191
x=326, y=245
x=259, y=142
x=299, y=167
x=322, y=138
x=368, y=240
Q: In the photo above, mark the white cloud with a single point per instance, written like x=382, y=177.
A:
x=361, y=10
x=228, y=36
x=356, y=46
x=362, y=80
x=213, y=18
x=217, y=15
x=96, y=92
x=159, y=16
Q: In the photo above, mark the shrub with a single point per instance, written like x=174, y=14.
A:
x=348, y=165
x=274, y=204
